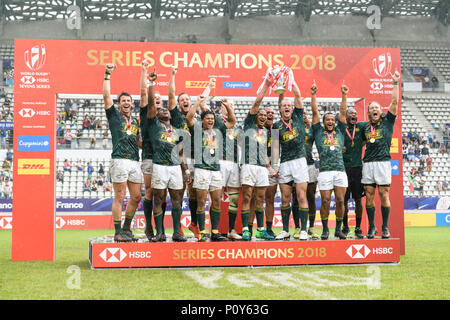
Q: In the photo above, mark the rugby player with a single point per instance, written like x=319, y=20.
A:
x=125, y=169
x=329, y=140
x=376, y=169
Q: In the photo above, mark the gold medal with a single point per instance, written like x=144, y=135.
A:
x=128, y=132
x=169, y=139
x=372, y=140
x=291, y=136
x=353, y=144
x=332, y=148
x=211, y=151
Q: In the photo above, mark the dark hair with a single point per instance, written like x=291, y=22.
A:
x=123, y=94
x=205, y=113
x=178, y=98
x=328, y=113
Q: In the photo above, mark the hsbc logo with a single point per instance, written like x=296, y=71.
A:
x=27, y=80
x=35, y=57
x=358, y=251
x=29, y=113
x=382, y=64
x=376, y=86
x=113, y=255
x=6, y=223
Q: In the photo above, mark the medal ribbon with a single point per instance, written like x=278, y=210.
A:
x=372, y=132
x=352, y=137
x=128, y=121
x=330, y=138
x=210, y=139
x=288, y=125
x=168, y=133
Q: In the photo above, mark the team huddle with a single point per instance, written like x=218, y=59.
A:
x=188, y=146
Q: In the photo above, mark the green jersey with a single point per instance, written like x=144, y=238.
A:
x=309, y=141
x=164, y=139
x=329, y=146
x=292, y=136
x=147, y=149
x=230, y=139
x=124, y=133
x=208, y=156
x=378, y=138
x=353, y=144
x=255, y=142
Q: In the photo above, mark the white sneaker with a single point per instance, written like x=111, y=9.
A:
x=303, y=235
x=283, y=235
x=233, y=235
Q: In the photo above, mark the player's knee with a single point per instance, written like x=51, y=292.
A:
x=234, y=199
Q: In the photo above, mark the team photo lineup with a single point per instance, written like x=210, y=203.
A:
x=186, y=146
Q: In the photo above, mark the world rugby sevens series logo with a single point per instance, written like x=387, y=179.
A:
x=35, y=57
x=382, y=65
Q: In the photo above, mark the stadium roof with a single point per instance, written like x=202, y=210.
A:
x=14, y=10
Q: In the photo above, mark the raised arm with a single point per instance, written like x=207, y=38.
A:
x=109, y=68
x=231, y=121
x=206, y=93
x=298, y=103
x=395, y=93
x=343, y=108
x=315, y=111
x=191, y=114
x=151, y=111
x=143, y=84
x=172, y=100
x=259, y=98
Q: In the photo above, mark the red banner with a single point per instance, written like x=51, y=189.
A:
x=46, y=68
x=255, y=253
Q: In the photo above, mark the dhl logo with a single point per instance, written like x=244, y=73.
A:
x=394, y=145
x=33, y=166
x=197, y=84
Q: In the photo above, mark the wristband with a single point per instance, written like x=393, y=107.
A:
x=187, y=171
x=395, y=83
x=151, y=83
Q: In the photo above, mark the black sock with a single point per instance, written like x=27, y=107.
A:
x=303, y=213
x=296, y=216
x=117, y=226
x=193, y=209
x=371, y=216
x=148, y=208
x=269, y=225
x=385, y=211
x=338, y=223
x=345, y=219
x=285, y=214
x=163, y=207
x=259, y=213
x=325, y=224
x=127, y=223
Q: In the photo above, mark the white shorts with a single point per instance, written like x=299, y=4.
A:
x=378, y=172
x=254, y=176
x=294, y=170
x=273, y=181
x=207, y=179
x=167, y=177
x=190, y=165
x=230, y=174
x=313, y=173
x=327, y=180
x=147, y=166
x=122, y=170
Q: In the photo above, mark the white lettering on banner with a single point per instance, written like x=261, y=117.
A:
x=5, y=205
x=382, y=250
x=73, y=205
x=140, y=255
x=447, y=218
x=76, y=222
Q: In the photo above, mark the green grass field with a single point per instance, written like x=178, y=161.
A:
x=423, y=274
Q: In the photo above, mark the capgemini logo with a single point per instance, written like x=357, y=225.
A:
x=35, y=57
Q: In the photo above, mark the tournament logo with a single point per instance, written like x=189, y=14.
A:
x=35, y=57
x=382, y=64
x=358, y=251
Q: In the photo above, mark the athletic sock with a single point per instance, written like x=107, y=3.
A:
x=231, y=220
x=201, y=220
x=269, y=225
x=259, y=213
x=325, y=224
x=338, y=223
x=117, y=226
x=214, y=215
x=371, y=216
x=296, y=216
x=345, y=219
x=163, y=207
x=303, y=212
x=285, y=214
x=158, y=218
x=176, y=217
x=385, y=211
x=245, y=216
x=358, y=222
x=127, y=223
x=148, y=208
x=312, y=219
x=193, y=209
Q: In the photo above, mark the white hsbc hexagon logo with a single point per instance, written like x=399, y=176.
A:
x=358, y=251
x=28, y=80
x=60, y=222
x=5, y=223
x=376, y=85
x=113, y=255
x=27, y=113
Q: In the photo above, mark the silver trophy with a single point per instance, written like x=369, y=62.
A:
x=280, y=77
